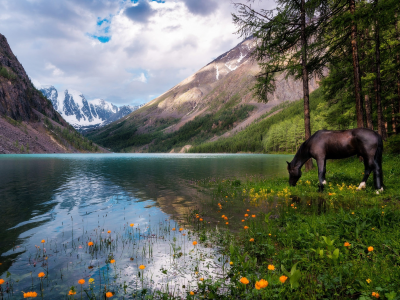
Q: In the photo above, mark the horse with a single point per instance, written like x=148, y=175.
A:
x=337, y=144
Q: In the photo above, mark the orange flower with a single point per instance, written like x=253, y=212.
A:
x=1, y=281
x=201, y=279
x=370, y=249
x=226, y=218
x=248, y=210
x=81, y=281
x=180, y=229
x=253, y=216
x=173, y=229
x=109, y=294
x=376, y=295
x=347, y=244
x=223, y=216
x=271, y=267
x=132, y=225
x=90, y=244
x=231, y=263
x=112, y=261
x=41, y=275
x=201, y=219
x=251, y=240
x=197, y=216
x=227, y=223
x=191, y=293
x=246, y=215
x=242, y=220
x=71, y=292
x=261, y=284
x=142, y=267
x=244, y=280
x=194, y=243
x=246, y=227
x=109, y=231
x=30, y=295
x=282, y=278
x=42, y=241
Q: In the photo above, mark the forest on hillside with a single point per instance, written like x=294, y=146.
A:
x=353, y=46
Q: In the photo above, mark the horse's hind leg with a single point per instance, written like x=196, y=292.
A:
x=378, y=177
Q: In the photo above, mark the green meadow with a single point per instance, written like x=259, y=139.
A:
x=296, y=243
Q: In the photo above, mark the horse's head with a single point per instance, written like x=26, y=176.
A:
x=294, y=174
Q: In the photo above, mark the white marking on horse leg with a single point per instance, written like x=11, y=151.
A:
x=377, y=192
x=324, y=182
x=381, y=189
x=362, y=185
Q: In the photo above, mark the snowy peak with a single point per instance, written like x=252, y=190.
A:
x=234, y=58
x=81, y=113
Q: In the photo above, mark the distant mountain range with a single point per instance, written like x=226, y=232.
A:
x=28, y=121
x=83, y=114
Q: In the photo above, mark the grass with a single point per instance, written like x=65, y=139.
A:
x=320, y=242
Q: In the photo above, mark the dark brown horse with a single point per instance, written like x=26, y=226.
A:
x=326, y=144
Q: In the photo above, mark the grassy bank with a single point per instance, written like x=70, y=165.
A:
x=339, y=244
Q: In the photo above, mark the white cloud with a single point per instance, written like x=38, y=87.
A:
x=55, y=71
x=174, y=40
x=141, y=78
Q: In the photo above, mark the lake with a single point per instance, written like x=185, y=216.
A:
x=127, y=205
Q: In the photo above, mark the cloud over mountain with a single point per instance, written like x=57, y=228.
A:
x=92, y=46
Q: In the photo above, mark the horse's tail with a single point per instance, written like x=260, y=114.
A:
x=378, y=157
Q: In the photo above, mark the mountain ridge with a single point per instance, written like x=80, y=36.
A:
x=81, y=113
x=28, y=121
x=207, y=101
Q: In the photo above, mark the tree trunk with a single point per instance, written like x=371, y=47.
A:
x=368, y=113
x=393, y=118
x=356, y=68
x=381, y=129
x=306, y=93
x=398, y=70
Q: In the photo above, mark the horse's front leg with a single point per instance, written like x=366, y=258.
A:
x=368, y=166
x=321, y=173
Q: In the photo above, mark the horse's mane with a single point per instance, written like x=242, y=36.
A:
x=300, y=152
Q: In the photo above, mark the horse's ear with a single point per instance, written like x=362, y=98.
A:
x=288, y=165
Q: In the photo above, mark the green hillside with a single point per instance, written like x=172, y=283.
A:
x=282, y=132
x=125, y=136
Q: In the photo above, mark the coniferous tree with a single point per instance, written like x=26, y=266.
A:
x=288, y=40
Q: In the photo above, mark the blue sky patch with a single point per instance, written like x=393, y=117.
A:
x=101, y=21
x=158, y=1
x=101, y=39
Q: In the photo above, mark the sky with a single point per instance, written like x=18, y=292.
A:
x=122, y=51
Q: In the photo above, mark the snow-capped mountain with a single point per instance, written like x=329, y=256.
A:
x=84, y=114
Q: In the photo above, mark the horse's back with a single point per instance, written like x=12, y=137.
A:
x=335, y=144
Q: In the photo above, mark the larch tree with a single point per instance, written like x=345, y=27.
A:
x=289, y=39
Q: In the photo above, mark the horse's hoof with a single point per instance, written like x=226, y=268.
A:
x=324, y=182
x=361, y=186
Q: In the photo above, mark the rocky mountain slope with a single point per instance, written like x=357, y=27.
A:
x=28, y=121
x=212, y=102
x=83, y=114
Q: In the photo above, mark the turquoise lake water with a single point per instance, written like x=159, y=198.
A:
x=69, y=200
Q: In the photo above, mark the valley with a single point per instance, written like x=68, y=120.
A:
x=217, y=101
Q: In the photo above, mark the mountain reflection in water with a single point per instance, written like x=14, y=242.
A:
x=62, y=197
